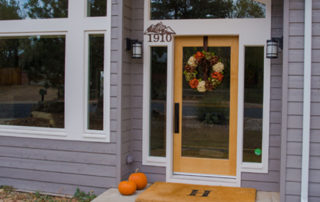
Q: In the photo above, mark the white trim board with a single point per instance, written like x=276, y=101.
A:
x=306, y=101
x=251, y=32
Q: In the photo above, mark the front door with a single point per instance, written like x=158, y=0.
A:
x=205, y=134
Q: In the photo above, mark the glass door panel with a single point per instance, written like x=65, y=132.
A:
x=205, y=116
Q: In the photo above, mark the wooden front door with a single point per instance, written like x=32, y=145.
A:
x=205, y=134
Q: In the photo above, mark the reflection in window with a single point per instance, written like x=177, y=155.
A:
x=96, y=67
x=34, y=9
x=96, y=8
x=206, y=116
x=32, y=81
x=206, y=9
x=253, y=104
x=158, y=101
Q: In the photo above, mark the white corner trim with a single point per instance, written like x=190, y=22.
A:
x=306, y=101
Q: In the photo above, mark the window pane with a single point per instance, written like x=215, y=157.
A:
x=206, y=116
x=97, y=8
x=34, y=9
x=253, y=104
x=96, y=67
x=32, y=81
x=192, y=9
x=158, y=101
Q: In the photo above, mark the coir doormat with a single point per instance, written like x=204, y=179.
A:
x=173, y=192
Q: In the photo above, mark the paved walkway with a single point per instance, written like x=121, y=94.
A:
x=113, y=195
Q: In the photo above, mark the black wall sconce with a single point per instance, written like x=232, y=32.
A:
x=136, y=47
x=273, y=47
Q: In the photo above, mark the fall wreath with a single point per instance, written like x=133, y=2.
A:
x=204, y=71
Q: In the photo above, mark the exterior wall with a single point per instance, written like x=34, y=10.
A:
x=60, y=166
x=293, y=83
x=132, y=94
x=271, y=180
x=133, y=27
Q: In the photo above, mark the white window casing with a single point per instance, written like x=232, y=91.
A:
x=75, y=29
x=251, y=32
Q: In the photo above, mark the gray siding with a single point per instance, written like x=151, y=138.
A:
x=271, y=180
x=132, y=94
x=293, y=78
x=133, y=27
x=59, y=166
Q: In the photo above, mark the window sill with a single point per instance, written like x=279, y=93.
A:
x=26, y=131
x=253, y=168
x=155, y=161
x=52, y=133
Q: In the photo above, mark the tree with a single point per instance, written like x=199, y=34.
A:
x=46, y=8
x=248, y=9
x=97, y=7
x=201, y=9
x=9, y=10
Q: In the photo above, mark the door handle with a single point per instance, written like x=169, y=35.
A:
x=176, y=117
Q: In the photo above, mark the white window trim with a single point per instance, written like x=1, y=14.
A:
x=88, y=133
x=74, y=28
x=247, y=37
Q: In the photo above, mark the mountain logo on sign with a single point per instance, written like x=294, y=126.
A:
x=159, y=28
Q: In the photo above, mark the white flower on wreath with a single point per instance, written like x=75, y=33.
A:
x=202, y=87
x=192, y=61
x=219, y=67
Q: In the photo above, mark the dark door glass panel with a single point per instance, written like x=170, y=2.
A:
x=158, y=107
x=205, y=116
x=253, y=104
x=32, y=81
x=206, y=9
x=96, y=69
x=97, y=8
x=34, y=9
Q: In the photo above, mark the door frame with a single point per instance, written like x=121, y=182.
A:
x=256, y=32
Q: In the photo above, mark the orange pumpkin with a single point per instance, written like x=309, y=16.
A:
x=140, y=179
x=127, y=187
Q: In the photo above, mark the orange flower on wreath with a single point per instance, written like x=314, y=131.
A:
x=194, y=83
x=217, y=75
x=198, y=55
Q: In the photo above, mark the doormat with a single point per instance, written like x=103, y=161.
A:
x=173, y=192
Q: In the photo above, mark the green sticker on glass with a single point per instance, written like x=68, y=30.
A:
x=257, y=151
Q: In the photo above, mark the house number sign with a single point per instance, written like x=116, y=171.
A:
x=159, y=33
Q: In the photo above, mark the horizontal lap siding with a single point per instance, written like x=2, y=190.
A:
x=59, y=166
x=126, y=93
x=271, y=180
x=295, y=103
x=56, y=166
x=133, y=95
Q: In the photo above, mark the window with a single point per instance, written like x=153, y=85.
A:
x=54, y=73
x=158, y=101
x=29, y=9
x=95, y=84
x=253, y=104
x=207, y=9
x=96, y=8
x=32, y=81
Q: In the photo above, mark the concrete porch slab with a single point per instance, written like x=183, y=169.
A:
x=113, y=195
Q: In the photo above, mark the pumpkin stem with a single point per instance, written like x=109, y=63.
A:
x=137, y=170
